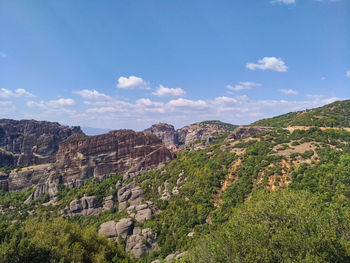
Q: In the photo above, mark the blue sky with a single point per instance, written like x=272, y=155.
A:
x=130, y=64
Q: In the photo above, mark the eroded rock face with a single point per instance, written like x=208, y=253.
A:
x=80, y=157
x=124, y=227
x=141, y=242
x=143, y=212
x=166, y=132
x=246, y=131
x=130, y=194
x=88, y=205
x=23, y=178
x=204, y=131
x=32, y=142
x=108, y=229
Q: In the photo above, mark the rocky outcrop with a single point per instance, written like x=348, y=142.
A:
x=129, y=195
x=31, y=142
x=123, y=151
x=138, y=241
x=174, y=256
x=166, y=132
x=23, y=178
x=7, y=158
x=203, y=131
x=142, y=212
x=141, y=242
x=88, y=205
x=122, y=228
x=245, y=131
x=108, y=229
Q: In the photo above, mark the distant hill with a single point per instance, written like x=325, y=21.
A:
x=336, y=114
x=94, y=131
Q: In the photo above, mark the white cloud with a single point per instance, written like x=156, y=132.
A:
x=288, y=2
x=3, y=55
x=268, y=63
x=5, y=93
x=101, y=110
x=323, y=78
x=348, y=74
x=132, y=82
x=243, y=85
x=92, y=94
x=169, y=92
x=187, y=103
x=60, y=103
x=289, y=92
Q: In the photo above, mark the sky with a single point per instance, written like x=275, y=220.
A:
x=116, y=64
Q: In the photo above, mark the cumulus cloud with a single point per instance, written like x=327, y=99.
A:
x=268, y=63
x=288, y=2
x=132, y=82
x=169, y=92
x=92, y=94
x=6, y=93
x=243, y=85
x=289, y=91
x=348, y=74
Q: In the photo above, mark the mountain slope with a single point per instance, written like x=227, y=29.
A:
x=336, y=114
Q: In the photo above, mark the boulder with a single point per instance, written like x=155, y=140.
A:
x=108, y=202
x=141, y=243
x=174, y=256
x=124, y=227
x=129, y=195
x=109, y=229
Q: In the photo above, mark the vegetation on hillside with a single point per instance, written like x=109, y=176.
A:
x=336, y=114
x=273, y=197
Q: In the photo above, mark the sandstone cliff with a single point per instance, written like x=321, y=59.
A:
x=122, y=151
x=30, y=142
x=203, y=131
x=166, y=132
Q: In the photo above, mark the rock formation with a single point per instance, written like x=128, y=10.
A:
x=204, y=131
x=88, y=205
x=165, y=132
x=122, y=151
x=30, y=142
x=141, y=242
x=129, y=195
x=245, y=131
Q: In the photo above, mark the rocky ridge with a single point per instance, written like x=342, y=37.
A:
x=30, y=142
x=204, y=131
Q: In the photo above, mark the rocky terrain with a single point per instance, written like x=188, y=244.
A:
x=202, y=132
x=127, y=193
x=30, y=142
x=122, y=151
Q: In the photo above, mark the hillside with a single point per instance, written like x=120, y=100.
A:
x=336, y=114
x=260, y=195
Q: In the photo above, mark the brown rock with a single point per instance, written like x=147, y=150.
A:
x=32, y=142
x=80, y=157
